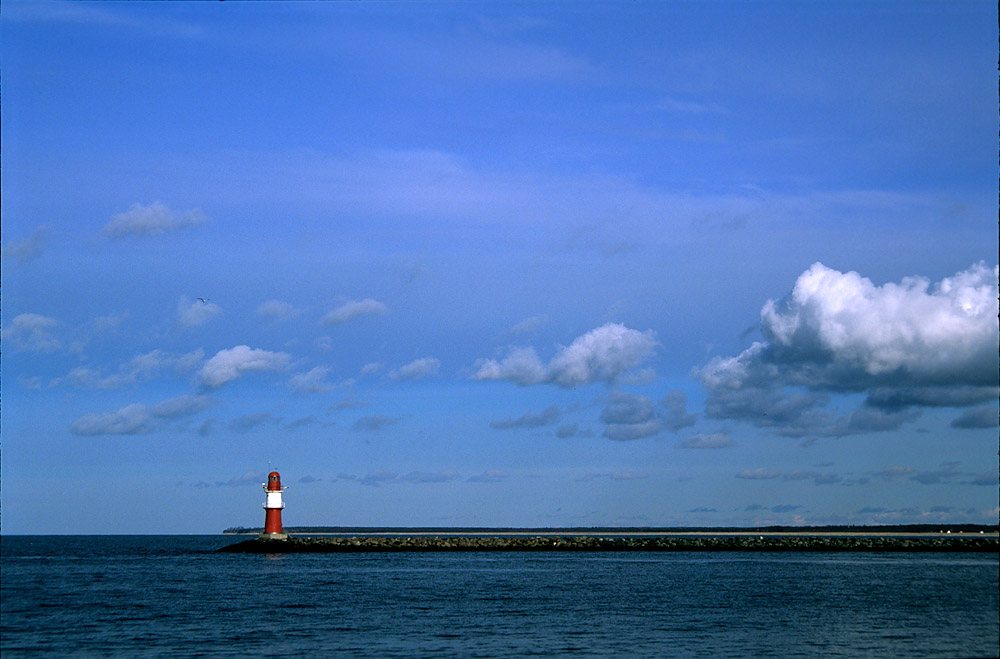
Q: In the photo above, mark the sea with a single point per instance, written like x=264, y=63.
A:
x=174, y=596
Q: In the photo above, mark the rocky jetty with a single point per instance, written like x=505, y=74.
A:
x=949, y=543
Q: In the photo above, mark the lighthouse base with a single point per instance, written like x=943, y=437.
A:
x=273, y=536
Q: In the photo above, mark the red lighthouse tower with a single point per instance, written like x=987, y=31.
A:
x=272, y=508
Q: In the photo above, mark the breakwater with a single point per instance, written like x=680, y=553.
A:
x=950, y=543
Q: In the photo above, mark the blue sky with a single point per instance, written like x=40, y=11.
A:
x=518, y=264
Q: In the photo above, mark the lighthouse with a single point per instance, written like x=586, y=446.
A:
x=272, y=508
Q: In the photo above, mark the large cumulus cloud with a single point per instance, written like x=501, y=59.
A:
x=903, y=345
x=601, y=355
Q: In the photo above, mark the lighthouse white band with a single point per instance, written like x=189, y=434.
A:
x=274, y=499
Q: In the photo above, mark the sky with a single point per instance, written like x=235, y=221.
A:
x=498, y=264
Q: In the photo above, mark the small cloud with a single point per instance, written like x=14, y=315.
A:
x=31, y=332
x=549, y=415
x=302, y=422
x=677, y=417
x=139, y=419
x=489, y=476
x=350, y=310
x=192, y=314
x=689, y=107
x=228, y=365
x=614, y=475
x=713, y=440
x=418, y=368
x=32, y=383
x=349, y=404
x=570, y=430
x=29, y=249
x=816, y=477
x=152, y=220
x=374, y=423
x=758, y=474
x=309, y=479
x=946, y=474
x=986, y=416
x=312, y=382
x=893, y=472
x=248, y=478
x=527, y=326
x=138, y=369
x=376, y=478
x=247, y=422
x=990, y=480
x=521, y=365
x=629, y=416
x=429, y=477
x=181, y=406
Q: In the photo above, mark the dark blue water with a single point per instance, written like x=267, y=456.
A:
x=172, y=596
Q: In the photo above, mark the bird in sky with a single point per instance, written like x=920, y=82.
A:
x=204, y=300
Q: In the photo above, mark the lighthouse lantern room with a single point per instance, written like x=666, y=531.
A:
x=272, y=508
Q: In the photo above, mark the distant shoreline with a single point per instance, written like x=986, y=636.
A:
x=912, y=530
x=774, y=542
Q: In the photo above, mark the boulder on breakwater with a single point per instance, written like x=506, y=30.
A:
x=293, y=544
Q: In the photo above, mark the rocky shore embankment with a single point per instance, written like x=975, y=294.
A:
x=950, y=543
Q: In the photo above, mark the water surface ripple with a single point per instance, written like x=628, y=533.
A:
x=173, y=596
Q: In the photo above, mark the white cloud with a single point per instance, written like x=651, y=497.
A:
x=382, y=477
x=418, y=368
x=30, y=331
x=192, y=314
x=152, y=220
x=601, y=355
x=313, y=381
x=372, y=368
x=228, y=365
x=521, y=365
x=350, y=310
x=947, y=333
x=139, y=419
x=906, y=345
